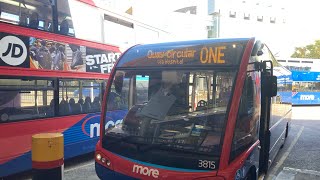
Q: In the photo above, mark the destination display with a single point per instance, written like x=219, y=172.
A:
x=206, y=54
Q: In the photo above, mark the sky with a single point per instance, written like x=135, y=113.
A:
x=303, y=21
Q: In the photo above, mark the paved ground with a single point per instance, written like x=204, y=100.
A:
x=299, y=159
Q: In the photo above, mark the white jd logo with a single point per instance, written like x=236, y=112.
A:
x=12, y=50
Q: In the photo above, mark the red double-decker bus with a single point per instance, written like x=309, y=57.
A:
x=206, y=109
x=50, y=81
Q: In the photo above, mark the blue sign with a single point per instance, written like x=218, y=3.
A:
x=305, y=98
x=306, y=76
x=285, y=96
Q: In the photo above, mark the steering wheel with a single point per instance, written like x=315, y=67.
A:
x=202, y=103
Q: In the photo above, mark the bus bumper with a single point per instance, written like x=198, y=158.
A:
x=105, y=173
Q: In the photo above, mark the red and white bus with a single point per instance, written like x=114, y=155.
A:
x=50, y=81
x=205, y=109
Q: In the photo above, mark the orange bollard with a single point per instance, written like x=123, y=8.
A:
x=47, y=156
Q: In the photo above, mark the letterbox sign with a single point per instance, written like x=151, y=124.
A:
x=37, y=53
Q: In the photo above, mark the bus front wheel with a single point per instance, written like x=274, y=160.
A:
x=251, y=175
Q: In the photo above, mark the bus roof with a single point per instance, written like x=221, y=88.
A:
x=213, y=52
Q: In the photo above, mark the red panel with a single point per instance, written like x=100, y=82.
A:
x=12, y=71
x=90, y=2
x=47, y=165
x=16, y=136
x=236, y=164
x=226, y=147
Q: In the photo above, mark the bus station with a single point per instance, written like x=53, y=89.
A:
x=102, y=89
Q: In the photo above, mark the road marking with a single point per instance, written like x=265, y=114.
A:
x=303, y=171
x=292, y=173
x=78, y=167
x=285, y=155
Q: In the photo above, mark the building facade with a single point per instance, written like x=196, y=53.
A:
x=264, y=19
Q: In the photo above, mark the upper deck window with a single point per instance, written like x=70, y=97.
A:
x=29, y=13
x=65, y=26
x=47, y=15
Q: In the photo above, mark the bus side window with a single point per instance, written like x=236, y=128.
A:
x=25, y=99
x=245, y=130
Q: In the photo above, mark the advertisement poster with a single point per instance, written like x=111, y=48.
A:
x=100, y=61
x=52, y=55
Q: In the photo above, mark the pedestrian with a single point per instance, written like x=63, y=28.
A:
x=34, y=20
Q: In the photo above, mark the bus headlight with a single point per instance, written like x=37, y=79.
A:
x=98, y=157
x=103, y=160
x=108, y=163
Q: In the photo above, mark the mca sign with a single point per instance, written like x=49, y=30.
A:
x=91, y=125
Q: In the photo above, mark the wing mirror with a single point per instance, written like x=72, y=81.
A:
x=272, y=88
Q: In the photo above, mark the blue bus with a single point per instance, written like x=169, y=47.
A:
x=306, y=88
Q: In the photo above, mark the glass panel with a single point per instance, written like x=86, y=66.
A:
x=246, y=131
x=65, y=26
x=75, y=98
x=25, y=84
x=35, y=14
x=142, y=86
x=304, y=87
x=68, y=97
x=25, y=104
x=162, y=116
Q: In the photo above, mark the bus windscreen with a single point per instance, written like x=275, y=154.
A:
x=161, y=111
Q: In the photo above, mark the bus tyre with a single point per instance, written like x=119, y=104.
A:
x=251, y=174
x=248, y=176
x=286, y=135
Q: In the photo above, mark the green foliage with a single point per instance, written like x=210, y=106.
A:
x=311, y=51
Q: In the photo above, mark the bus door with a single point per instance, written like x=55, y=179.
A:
x=268, y=90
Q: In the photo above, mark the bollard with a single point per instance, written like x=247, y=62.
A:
x=47, y=156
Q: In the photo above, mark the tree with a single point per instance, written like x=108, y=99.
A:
x=311, y=51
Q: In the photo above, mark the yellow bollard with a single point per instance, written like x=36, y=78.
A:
x=47, y=156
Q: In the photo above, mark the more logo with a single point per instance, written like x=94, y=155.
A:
x=13, y=51
x=145, y=171
x=306, y=97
